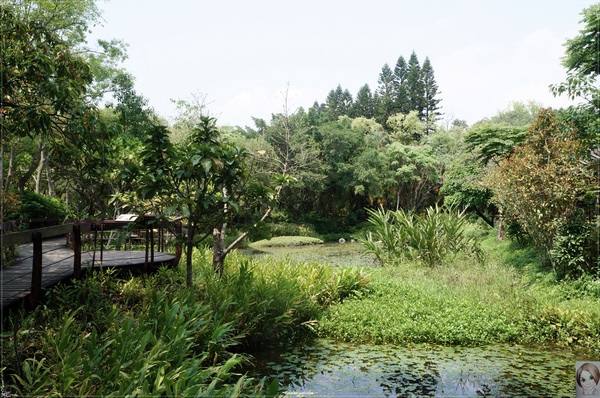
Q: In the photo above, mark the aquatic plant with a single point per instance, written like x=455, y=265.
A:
x=431, y=238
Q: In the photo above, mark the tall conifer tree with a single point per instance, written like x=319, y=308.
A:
x=385, y=94
x=431, y=110
x=365, y=103
x=401, y=100
x=339, y=102
x=414, y=86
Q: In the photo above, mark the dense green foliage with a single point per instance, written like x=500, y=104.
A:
x=111, y=336
x=430, y=238
x=33, y=205
x=543, y=186
x=532, y=171
x=505, y=298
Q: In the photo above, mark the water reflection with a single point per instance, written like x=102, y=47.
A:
x=331, y=369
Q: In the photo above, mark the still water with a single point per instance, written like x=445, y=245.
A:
x=330, y=369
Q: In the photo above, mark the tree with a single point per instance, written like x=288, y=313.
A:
x=582, y=63
x=371, y=175
x=415, y=87
x=295, y=153
x=339, y=103
x=402, y=101
x=415, y=173
x=364, y=106
x=385, y=94
x=405, y=128
x=462, y=187
x=431, y=103
x=492, y=143
x=485, y=145
x=340, y=144
x=541, y=183
x=43, y=82
x=190, y=113
x=582, y=56
x=518, y=114
x=203, y=179
x=51, y=86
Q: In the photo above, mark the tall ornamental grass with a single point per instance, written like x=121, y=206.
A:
x=431, y=238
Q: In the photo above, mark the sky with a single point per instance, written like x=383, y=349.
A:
x=242, y=56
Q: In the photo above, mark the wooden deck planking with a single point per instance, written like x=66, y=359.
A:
x=57, y=265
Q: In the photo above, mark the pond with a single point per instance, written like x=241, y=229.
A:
x=330, y=369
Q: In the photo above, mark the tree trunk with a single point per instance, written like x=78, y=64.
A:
x=189, y=247
x=488, y=221
x=11, y=168
x=219, y=252
x=40, y=170
x=500, y=227
x=2, y=167
x=35, y=161
x=51, y=191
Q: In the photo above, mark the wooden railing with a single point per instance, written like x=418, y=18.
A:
x=74, y=232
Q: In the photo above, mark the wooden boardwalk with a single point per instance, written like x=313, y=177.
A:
x=57, y=265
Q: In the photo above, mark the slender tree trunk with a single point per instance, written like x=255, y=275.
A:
x=51, y=191
x=189, y=247
x=11, y=168
x=219, y=252
x=2, y=167
x=219, y=249
x=40, y=170
x=500, y=227
x=488, y=221
x=32, y=167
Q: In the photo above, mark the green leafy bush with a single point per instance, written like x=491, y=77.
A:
x=9, y=206
x=290, y=229
x=33, y=205
x=280, y=241
x=575, y=248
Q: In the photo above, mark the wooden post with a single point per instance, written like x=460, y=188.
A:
x=147, y=244
x=36, y=273
x=76, y=250
x=178, y=239
x=101, y=242
x=151, y=247
x=95, y=228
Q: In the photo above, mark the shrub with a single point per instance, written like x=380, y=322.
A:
x=34, y=205
x=289, y=229
x=575, y=248
x=430, y=237
x=282, y=241
x=10, y=206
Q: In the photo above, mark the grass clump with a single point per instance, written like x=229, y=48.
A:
x=431, y=238
x=272, y=301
